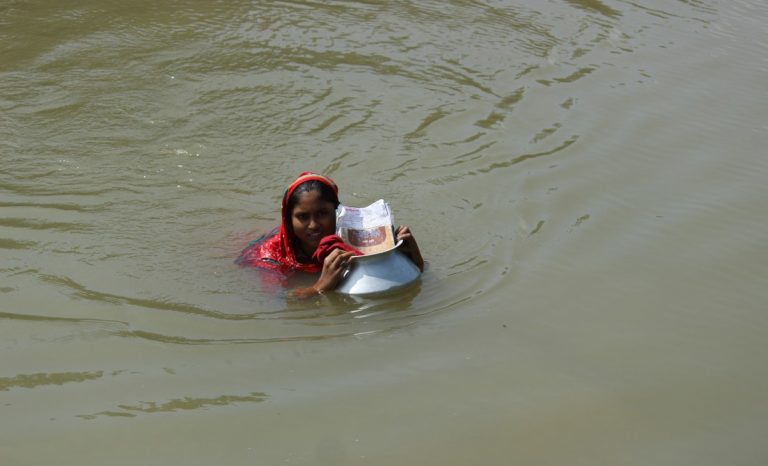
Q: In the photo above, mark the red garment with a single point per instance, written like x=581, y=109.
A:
x=275, y=251
x=328, y=244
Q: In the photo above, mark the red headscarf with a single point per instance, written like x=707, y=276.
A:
x=275, y=251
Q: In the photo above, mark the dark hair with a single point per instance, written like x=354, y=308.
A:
x=326, y=194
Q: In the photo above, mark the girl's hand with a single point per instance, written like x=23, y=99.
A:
x=334, y=266
x=333, y=269
x=409, y=246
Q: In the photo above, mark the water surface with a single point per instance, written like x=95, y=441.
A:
x=585, y=178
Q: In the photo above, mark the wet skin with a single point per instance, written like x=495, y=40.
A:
x=312, y=220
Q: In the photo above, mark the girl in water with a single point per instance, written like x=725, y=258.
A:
x=305, y=241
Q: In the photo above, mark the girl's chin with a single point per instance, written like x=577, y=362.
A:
x=312, y=243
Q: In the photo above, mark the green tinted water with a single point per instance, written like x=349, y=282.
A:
x=585, y=179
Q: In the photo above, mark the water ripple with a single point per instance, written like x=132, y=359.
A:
x=162, y=132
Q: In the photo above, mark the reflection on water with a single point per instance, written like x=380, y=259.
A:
x=584, y=178
x=36, y=380
x=186, y=403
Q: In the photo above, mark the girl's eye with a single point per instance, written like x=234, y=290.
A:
x=302, y=217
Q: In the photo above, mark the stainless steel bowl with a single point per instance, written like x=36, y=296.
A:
x=378, y=273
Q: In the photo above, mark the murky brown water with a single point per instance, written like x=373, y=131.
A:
x=586, y=178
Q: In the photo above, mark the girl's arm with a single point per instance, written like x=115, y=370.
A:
x=409, y=246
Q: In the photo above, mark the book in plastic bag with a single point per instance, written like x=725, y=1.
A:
x=368, y=229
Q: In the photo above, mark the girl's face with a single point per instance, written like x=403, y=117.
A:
x=312, y=219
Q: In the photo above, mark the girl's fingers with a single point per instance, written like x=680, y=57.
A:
x=345, y=258
x=404, y=233
x=338, y=258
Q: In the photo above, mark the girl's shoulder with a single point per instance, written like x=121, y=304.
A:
x=258, y=250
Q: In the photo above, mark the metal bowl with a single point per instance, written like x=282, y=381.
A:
x=378, y=273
